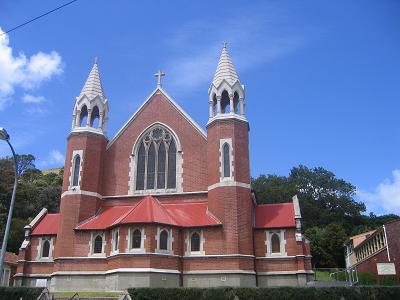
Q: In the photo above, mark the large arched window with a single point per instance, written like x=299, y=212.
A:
x=164, y=240
x=46, y=249
x=98, y=245
x=156, y=160
x=226, y=160
x=76, y=169
x=275, y=243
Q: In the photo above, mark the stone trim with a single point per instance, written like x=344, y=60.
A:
x=283, y=257
x=245, y=256
x=286, y=272
x=220, y=272
x=94, y=194
x=81, y=192
x=221, y=160
x=229, y=183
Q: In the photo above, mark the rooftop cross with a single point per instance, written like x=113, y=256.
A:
x=159, y=74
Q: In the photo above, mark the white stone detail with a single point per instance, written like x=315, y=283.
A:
x=268, y=236
x=229, y=183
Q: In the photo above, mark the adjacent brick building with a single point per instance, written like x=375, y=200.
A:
x=163, y=203
x=375, y=249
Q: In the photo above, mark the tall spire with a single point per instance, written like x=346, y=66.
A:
x=225, y=69
x=93, y=86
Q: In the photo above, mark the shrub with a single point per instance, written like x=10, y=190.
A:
x=276, y=293
x=16, y=293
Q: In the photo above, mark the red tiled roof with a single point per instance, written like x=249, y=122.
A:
x=149, y=210
x=275, y=215
x=48, y=225
x=11, y=258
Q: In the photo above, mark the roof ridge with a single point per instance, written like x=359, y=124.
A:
x=89, y=219
x=120, y=219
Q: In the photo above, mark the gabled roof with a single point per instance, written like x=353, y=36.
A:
x=48, y=225
x=225, y=69
x=93, y=86
x=278, y=215
x=150, y=210
x=178, y=108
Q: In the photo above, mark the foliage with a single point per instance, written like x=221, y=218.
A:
x=329, y=211
x=278, y=293
x=17, y=293
x=35, y=191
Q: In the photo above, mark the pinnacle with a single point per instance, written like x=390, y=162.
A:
x=225, y=69
x=93, y=86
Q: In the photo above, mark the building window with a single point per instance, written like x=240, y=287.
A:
x=164, y=240
x=156, y=160
x=136, y=240
x=226, y=160
x=5, y=278
x=46, y=249
x=195, y=242
x=115, y=241
x=98, y=245
x=275, y=243
x=76, y=168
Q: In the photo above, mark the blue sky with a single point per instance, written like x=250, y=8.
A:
x=322, y=78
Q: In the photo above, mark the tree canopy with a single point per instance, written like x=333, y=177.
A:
x=329, y=210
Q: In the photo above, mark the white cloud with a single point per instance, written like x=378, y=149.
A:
x=54, y=159
x=385, y=197
x=25, y=72
x=28, y=98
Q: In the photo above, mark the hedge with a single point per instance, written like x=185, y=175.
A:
x=275, y=293
x=16, y=293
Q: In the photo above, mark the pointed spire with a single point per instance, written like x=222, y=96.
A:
x=93, y=86
x=225, y=69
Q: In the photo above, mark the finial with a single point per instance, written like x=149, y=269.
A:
x=96, y=59
x=225, y=44
x=159, y=74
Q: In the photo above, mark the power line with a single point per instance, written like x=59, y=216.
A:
x=34, y=19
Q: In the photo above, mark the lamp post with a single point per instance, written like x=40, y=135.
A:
x=6, y=137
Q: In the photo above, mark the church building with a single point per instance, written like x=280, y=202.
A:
x=163, y=203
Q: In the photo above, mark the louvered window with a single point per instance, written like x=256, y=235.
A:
x=156, y=161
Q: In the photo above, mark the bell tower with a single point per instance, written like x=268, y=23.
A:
x=86, y=144
x=229, y=192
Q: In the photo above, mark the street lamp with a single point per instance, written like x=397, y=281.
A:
x=6, y=137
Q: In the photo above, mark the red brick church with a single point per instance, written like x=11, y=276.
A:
x=163, y=202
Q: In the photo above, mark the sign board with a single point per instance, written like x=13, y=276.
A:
x=386, y=268
x=41, y=282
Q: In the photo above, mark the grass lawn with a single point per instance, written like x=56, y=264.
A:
x=86, y=294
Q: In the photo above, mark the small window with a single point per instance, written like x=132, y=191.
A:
x=76, y=169
x=136, y=241
x=227, y=161
x=275, y=243
x=164, y=240
x=98, y=245
x=195, y=242
x=46, y=249
x=115, y=240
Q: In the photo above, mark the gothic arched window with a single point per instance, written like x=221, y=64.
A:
x=225, y=103
x=164, y=240
x=195, y=242
x=136, y=239
x=226, y=160
x=236, y=102
x=98, y=244
x=46, y=248
x=156, y=160
x=94, y=117
x=76, y=169
x=275, y=243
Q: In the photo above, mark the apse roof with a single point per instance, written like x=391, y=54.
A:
x=150, y=210
x=278, y=215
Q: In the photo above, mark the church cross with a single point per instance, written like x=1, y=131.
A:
x=159, y=74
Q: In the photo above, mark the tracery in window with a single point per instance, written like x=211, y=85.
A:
x=156, y=160
x=136, y=239
x=195, y=242
x=164, y=240
x=46, y=249
x=98, y=245
x=275, y=243
x=76, y=169
x=226, y=160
